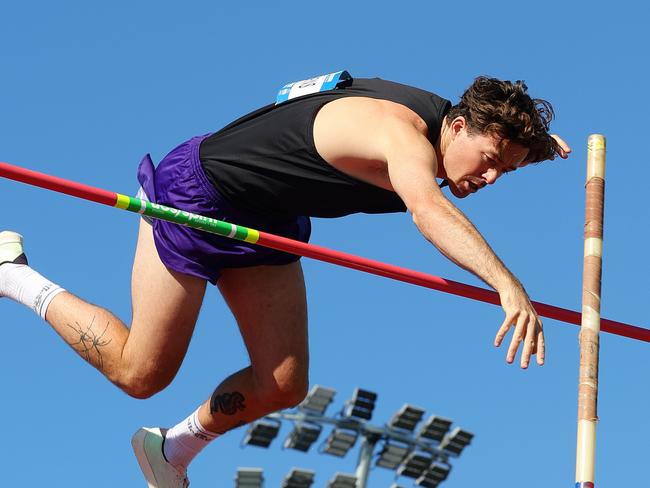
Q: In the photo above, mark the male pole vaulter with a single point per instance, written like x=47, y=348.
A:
x=329, y=146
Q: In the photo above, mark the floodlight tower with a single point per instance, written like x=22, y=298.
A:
x=423, y=455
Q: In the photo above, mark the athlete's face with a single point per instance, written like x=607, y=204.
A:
x=472, y=161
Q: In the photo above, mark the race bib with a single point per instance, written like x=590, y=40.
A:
x=312, y=85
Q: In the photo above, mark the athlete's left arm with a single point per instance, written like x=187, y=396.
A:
x=412, y=167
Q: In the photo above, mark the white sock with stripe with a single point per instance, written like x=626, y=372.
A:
x=185, y=440
x=24, y=285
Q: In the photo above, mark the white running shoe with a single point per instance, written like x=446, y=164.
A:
x=148, y=447
x=11, y=248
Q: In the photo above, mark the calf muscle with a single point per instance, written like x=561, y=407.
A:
x=142, y=359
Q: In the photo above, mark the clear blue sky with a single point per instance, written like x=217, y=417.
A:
x=86, y=89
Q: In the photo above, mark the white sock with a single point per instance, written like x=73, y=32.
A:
x=24, y=285
x=185, y=440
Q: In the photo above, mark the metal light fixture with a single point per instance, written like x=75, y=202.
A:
x=406, y=418
x=249, y=478
x=415, y=464
x=455, y=442
x=340, y=441
x=317, y=400
x=342, y=480
x=303, y=435
x=435, y=428
x=421, y=454
x=262, y=432
x=435, y=475
x=392, y=455
x=299, y=478
x=362, y=404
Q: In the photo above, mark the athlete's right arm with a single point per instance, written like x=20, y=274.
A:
x=412, y=167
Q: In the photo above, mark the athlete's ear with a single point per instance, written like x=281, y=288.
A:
x=458, y=125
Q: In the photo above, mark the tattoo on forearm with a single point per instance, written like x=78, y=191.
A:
x=227, y=403
x=89, y=342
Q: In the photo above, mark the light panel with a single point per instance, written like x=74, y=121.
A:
x=249, y=478
x=303, y=435
x=340, y=441
x=415, y=464
x=342, y=480
x=317, y=400
x=261, y=432
x=392, y=455
x=435, y=475
x=435, y=428
x=362, y=404
x=406, y=418
x=455, y=442
x=299, y=478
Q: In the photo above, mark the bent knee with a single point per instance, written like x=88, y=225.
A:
x=283, y=392
x=143, y=385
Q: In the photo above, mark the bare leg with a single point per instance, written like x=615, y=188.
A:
x=269, y=304
x=144, y=359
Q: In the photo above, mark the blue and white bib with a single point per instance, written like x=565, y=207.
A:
x=312, y=85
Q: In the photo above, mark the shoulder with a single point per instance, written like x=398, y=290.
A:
x=366, y=111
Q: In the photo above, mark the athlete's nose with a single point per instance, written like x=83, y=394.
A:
x=491, y=175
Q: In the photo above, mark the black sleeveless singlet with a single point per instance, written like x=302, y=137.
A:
x=266, y=162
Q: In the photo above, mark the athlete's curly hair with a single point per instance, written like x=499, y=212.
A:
x=504, y=109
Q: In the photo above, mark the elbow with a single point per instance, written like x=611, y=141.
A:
x=418, y=218
x=428, y=217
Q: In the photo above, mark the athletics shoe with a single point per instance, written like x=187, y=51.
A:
x=11, y=248
x=148, y=447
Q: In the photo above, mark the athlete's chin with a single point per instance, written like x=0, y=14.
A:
x=457, y=192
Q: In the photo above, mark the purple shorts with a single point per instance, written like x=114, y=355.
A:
x=179, y=182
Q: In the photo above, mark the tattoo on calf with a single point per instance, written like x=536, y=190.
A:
x=227, y=403
x=89, y=341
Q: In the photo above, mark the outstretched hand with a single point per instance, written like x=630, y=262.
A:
x=527, y=327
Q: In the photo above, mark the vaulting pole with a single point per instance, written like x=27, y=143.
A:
x=233, y=231
x=589, y=333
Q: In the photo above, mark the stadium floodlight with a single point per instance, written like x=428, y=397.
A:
x=415, y=464
x=262, y=432
x=435, y=428
x=392, y=455
x=317, y=400
x=435, y=475
x=340, y=441
x=249, y=478
x=299, y=478
x=405, y=444
x=455, y=442
x=342, y=480
x=362, y=404
x=303, y=435
x=406, y=418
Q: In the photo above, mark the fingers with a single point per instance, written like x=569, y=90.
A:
x=541, y=347
x=529, y=344
x=563, y=148
x=503, y=330
x=534, y=343
x=528, y=329
x=517, y=337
